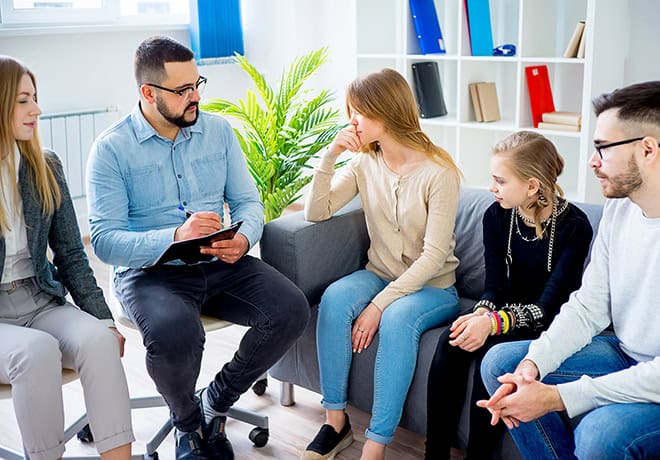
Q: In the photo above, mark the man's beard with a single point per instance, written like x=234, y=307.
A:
x=622, y=185
x=180, y=120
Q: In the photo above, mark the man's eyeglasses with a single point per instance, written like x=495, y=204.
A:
x=187, y=91
x=600, y=147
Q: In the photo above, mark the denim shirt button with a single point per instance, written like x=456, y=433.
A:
x=179, y=176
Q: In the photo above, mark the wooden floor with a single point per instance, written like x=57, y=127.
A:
x=291, y=428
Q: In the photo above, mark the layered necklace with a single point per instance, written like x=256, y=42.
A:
x=549, y=222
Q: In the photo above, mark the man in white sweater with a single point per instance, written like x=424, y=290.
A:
x=611, y=381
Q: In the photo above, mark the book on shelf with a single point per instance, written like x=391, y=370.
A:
x=563, y=118
x=484, y=101
x=558, y=126
x=479, y=27
x=428, y=89
x=540, y=93
x=583, y=44
x=573, y=45
x=427, y=26
x=475, y=102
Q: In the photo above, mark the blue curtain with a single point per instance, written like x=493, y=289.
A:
x=215, y=29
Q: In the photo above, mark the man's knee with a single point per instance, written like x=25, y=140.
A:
x=500, y=359
x=174, y=336
x=293, y=308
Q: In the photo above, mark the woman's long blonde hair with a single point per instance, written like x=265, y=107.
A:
x=386, y=96
x=532, y=155
x=42, y=178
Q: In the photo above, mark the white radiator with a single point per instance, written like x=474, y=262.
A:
x=70, y=135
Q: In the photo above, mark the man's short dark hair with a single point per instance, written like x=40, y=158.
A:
x=638, y=103
x=153, y=53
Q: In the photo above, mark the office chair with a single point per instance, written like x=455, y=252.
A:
x=10, y=454
x=259, y=435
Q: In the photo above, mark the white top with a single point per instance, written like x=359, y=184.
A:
x=619, y=286
x=18, y=261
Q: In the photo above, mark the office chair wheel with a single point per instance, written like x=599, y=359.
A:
x=85, y=435
x=259, y=436
x=259, y=387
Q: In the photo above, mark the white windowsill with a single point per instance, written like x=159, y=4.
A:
x=33, y=30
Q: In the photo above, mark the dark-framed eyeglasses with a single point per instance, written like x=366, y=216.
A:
x=187, y=91
x=600, y=147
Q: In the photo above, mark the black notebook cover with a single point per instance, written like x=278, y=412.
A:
x=428, y=89
x=188, y=250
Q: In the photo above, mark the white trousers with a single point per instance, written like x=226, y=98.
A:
x=37, y=339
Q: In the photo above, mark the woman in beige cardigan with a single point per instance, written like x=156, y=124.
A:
x=409, y=191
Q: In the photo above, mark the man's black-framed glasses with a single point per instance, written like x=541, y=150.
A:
x=187, y=91
x=600, y=147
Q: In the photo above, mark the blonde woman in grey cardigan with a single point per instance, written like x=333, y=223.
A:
x=40, y=331
x=409, y=192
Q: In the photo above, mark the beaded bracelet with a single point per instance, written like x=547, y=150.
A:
x=493, y=323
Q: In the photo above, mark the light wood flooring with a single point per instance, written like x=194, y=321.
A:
x=291, y=428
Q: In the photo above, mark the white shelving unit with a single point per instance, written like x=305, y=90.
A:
x=540, y=29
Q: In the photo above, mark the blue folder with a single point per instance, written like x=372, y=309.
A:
x=427, y=26
x=481, y=33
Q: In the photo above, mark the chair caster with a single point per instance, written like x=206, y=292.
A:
x=259, y=387
x=259, y=436
x=85, y=435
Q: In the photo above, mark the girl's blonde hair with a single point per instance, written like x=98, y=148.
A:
x=534, y=156
x=42, y=178
x=386, y=96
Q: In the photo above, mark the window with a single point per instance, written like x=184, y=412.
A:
x=42, y=12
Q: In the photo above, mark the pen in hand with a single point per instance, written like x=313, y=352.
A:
x=187, y=211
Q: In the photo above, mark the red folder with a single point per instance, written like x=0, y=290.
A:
x=540, y=93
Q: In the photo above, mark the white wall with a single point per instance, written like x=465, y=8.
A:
x=643, y=36
x=92, y=69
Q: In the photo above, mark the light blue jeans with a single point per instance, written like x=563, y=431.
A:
x=615, y=431
x=401, y=326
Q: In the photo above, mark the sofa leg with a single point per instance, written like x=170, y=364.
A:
x=286, y=394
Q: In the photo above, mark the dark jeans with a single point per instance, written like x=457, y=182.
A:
x=165, y=303
x=448, y=379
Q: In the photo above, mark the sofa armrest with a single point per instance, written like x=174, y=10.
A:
x=314, y=254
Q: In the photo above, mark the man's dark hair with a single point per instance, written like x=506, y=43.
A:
x=153, y=53
x=638, y=103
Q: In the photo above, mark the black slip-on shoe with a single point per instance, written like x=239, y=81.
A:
x=328, y=443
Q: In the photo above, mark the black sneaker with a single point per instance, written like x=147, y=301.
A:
x=189, y=446
x=215, y=438
x=328, y=443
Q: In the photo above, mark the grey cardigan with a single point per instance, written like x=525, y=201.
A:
x=70, y=267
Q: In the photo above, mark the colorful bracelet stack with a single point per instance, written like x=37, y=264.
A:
x=500, y=322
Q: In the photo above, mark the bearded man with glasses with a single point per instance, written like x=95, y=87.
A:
x=164, y=173
x=610, y=384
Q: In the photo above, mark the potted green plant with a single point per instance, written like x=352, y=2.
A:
x=282, y=135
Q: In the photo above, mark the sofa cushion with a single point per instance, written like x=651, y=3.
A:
x=470, y=273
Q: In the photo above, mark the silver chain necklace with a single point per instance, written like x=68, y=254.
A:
x=553, y=225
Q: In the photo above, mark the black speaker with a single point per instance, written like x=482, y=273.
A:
x=428, y=89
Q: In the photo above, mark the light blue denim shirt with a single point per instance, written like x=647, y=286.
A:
x=137, y=179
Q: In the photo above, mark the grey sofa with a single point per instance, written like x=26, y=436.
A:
x=313, y=255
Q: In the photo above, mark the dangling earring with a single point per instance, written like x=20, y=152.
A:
x=541, y=199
